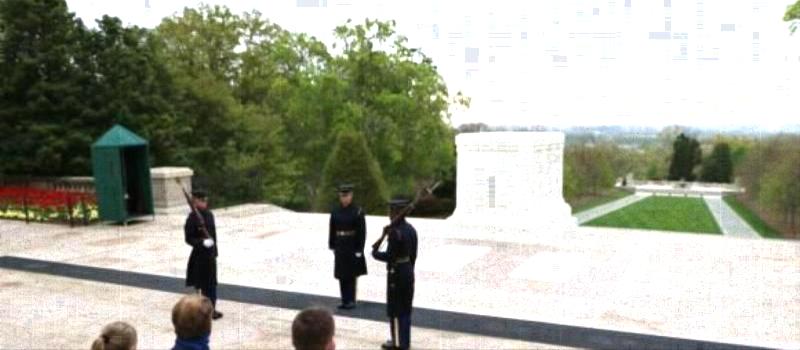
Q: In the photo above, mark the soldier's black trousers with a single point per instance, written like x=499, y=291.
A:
x=210, y=292
x=347, y=287
x=401, y=331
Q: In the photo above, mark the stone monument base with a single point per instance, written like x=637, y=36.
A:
x=168, y=196
x=555, y=213
x=546, y=217
x=510, y=184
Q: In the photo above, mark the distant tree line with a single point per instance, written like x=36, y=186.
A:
x=768, y=168
x=591, y=170
x=770, y=174
x=687, y=161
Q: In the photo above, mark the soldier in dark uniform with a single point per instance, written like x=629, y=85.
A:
x=201, y=272
x=346, y=237
x=400, y=257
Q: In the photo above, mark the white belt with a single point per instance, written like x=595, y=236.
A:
x=345, y=233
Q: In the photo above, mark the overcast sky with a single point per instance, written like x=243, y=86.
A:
x=703, y=63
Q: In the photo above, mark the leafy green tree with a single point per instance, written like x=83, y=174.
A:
x=351, y=162
x=718, y=167
x=685, y=156
x=127, y=82
x=229, y=131
x=793, y=16
x=588, y=170
x=197, y=45
x=572, y=186
x=253, y=108
x=780, y=190
x=769, y=175
x=63, y=85
x=397, y=98
x=41, y=95
x=650, y=162
x=652, y=173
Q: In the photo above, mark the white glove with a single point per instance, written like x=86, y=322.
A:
x=358, y=255
x=208, y=243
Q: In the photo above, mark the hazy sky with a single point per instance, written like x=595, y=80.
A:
x=704, y=63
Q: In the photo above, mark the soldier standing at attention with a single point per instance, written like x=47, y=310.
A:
x=201, y=272
x=346, y=237
x=400, y=256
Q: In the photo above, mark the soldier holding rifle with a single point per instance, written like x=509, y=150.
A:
x=201, y=233
x=400, y=257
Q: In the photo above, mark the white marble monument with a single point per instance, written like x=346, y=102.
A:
x=167, y=193
x=511, y=180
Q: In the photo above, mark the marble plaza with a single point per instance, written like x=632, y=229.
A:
x=583, y=288
x=510, y=269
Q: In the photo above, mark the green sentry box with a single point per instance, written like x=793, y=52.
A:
x=122, y=175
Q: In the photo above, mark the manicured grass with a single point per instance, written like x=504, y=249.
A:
x=751, y=218
x=663, y=213
x=586, y=203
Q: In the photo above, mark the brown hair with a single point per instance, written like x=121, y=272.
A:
x=191, y=316
x=116, y=336
x=312, y=329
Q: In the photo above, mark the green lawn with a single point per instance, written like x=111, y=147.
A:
x=662, y=213
x=752, y=218
x=587, y=203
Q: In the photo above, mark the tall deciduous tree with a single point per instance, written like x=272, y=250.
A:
x=230, y=132
x=127, y=82
x=780, y=190
x=253, y=108
x=40, y=98
x=588, y=170
x=397, y=98
x=793, y=16
x=572, y=186
x=718, y=166
x=686, y=154
x=63, y=85
x=351, y=162
x=769, y=174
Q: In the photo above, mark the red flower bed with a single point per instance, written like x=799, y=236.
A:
x=41, y=198
x=46, y=204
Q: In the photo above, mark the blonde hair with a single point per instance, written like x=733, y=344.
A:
x=116, y=336
x=191, y=316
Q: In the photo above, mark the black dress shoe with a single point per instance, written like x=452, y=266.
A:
x=216, y=315
x=348, y=306
x=388, y=345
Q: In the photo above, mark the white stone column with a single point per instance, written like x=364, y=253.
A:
x=167, y=194
x=511, y=180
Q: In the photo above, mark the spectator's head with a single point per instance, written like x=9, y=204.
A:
x=191, y=316
x=116, y=336
x=313, y=329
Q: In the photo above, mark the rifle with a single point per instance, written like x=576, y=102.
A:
x=405, y=212
x=196, y=212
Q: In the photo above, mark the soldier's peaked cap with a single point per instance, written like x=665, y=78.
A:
x=201, y=194
x=399, y=202
x=345, y=188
